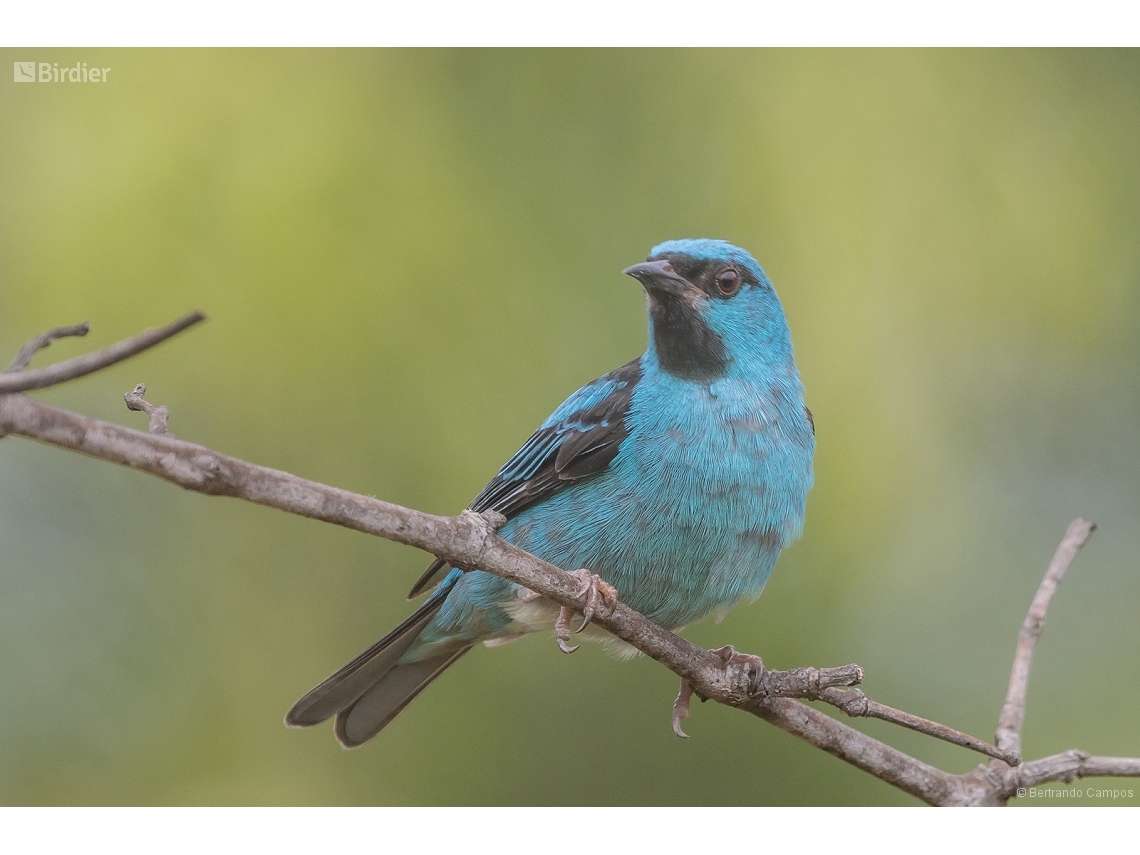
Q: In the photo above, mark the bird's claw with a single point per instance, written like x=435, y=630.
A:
x=754, y=665
x=681, y=708
x=596, y=588
x=562, y=630
x=597, y=591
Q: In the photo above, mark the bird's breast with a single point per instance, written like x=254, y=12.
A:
x=731, y=458
x=707, y=487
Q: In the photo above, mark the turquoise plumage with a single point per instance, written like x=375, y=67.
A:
x=677, y=478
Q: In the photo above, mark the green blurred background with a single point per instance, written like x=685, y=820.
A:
x=409, y=257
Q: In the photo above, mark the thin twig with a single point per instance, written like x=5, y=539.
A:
x=807, y=683
x=158, y=415
x=856, y=704
x=60, y=372
x=1008, y=736
x=825, y=685
x=24, y=357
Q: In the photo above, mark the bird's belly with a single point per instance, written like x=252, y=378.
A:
x=681, y=528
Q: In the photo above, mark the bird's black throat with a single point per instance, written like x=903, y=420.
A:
x=686, y=346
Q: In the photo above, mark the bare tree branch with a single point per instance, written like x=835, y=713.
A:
x=465, y=541
x=158, y=415
x=24, y=357
x=1012, y=718
x=469, y=541
x=53, y=375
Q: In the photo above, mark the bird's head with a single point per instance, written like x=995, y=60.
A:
x=712, y=310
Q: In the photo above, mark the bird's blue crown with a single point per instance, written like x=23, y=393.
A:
x=711, y=249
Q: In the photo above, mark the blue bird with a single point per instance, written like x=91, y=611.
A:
x=676, y=479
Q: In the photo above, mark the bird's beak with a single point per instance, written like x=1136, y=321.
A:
x=659, y=276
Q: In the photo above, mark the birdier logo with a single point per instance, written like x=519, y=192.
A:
x=52, y=72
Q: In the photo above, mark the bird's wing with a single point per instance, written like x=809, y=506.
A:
x=579, y=439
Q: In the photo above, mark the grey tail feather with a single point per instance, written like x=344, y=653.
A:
x=428, y=578
x=344, y=687
x=372, y=712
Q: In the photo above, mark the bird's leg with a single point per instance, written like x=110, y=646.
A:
x=681, y=708
x=561, y=625
x=754, y=665
x=597, y=591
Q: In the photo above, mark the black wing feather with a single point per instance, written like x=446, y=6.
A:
x=582, y=444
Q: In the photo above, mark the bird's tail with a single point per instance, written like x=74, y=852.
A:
x=373, y=688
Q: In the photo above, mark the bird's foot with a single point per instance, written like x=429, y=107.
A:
x=681, y=708
x=753, y=665
x=597, y=591
x=562, y=630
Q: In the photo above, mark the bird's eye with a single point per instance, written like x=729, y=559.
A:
x=728, y=282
